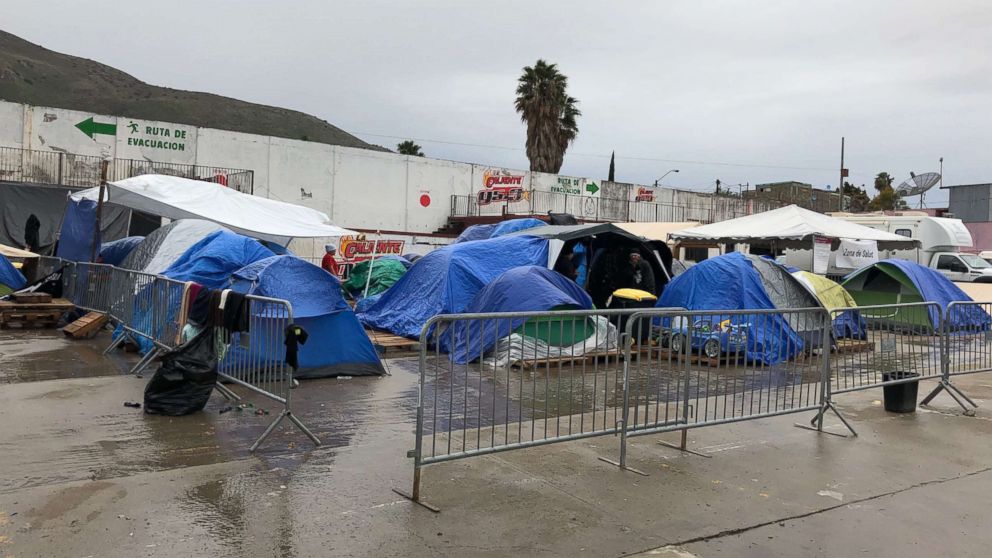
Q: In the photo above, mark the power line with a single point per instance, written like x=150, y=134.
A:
x=599, y=156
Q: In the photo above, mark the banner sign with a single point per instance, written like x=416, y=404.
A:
x=855, y=254
x=821, y=255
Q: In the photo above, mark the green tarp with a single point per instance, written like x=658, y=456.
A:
x=385, y=273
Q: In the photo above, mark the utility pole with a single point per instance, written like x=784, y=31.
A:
x=840, y=187
x=99, y=210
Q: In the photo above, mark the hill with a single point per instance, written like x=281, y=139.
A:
x=34, y=75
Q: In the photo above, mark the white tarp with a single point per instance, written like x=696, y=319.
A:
x=181, y=198
x=791, y=227
x=516, y=348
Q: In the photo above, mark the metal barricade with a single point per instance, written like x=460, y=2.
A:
x=717, y=367
x=885, y=345
x=503, y=381
x=91, y=286
x=967, y=336
x=256, y=359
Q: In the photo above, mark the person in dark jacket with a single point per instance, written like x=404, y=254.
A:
x=32, y=234
x=641, y=275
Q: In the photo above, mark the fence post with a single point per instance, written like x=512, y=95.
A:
x=61, y=159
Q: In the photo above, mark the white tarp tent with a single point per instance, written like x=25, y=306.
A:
x=790, y=227
x=181, y=198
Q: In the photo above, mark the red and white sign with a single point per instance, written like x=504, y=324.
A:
x=354, y=249
x=500, y=186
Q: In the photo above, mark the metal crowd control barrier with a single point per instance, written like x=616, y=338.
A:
x=254, y=359
x=967, y=336
x=717, y=367
x=154, y=308
x=487, y=386
x=886, y=345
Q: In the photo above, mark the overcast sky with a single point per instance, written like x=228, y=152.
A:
x=744, y=91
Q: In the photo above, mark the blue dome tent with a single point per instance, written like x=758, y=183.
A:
x=742, y=282
x=114, y=252
x=11, y=278
x=446, y=280
x=211, y=261
x=521, y=289
x=337, y=344
x=493, y=230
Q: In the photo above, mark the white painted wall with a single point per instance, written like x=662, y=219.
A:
x=356, y=188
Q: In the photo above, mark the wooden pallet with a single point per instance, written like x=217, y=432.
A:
x=86, y=327
x=387, y=341
x=551, y=362
x=854, y=346
x=32, y=298
x=33, y=315
x=696, y=358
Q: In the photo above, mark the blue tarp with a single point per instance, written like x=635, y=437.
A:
x=337, y=343
x=76, y=236
x=730, y=282
x=10, y=276
x=114, y=252
x=522, y=289
x=211, y=261
x=446, y=280
x=934, y=287
x=493, y=230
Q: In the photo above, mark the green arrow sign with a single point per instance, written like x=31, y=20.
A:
x=89, y=128
x=592, y=188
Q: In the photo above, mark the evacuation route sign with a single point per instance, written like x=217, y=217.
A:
x=90, y=128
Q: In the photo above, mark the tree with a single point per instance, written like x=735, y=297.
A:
x=858, y=198
x=887, y=198
x=549, y=113
x=883, y=181
x=409, y=148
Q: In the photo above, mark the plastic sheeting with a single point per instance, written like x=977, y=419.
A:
x=165, y=245
x=181, y=198
x=446, y=280
x=522, y=289
x=730, y=282
x=493, y=230
x=212, y=261
x=76, y=235
x=516, y=348
x=10, y=276
x=386, y=271
x=337, y=343
x=114, y=252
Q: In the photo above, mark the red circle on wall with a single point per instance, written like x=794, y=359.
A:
x=425, y=200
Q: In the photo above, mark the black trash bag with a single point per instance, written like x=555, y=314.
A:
x=183, y=383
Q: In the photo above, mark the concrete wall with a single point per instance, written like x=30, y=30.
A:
x=356, y=188
x=971, y=203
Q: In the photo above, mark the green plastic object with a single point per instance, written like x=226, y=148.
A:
x=385, y=273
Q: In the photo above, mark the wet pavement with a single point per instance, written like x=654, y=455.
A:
x=82, y=475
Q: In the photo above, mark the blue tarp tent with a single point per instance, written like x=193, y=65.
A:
x=114, y=252
x=735, y=282
x=10, y=277
x=521, y=289
x=337, y=343
x=446, y=280
x=76, y=236
x=493, y=230
x=895, y=281
x=211, y=261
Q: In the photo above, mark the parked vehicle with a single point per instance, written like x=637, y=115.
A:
x=710, y=337
x=942, y=239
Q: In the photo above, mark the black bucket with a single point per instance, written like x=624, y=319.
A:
x=900, y=398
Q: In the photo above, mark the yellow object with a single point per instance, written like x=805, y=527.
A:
x=634, y=294
x=830, y=294
x=17, y=265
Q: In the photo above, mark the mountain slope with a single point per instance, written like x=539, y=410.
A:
x=34, y=75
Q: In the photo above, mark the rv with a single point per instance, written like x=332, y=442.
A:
x=942, y=241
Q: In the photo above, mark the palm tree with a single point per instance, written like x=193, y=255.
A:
x=550, y=115
x=883, y=181
x=409, y=148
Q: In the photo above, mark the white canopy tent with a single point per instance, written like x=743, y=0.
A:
x=790, y=227
x=181, y=198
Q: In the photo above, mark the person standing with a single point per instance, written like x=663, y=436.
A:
x=329, y=263
x=32, y=233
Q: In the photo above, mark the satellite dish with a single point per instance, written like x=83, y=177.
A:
x=917, y=185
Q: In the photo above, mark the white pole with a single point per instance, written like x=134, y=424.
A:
x=368, y=278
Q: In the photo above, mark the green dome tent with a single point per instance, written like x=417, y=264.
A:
x=386, y=271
